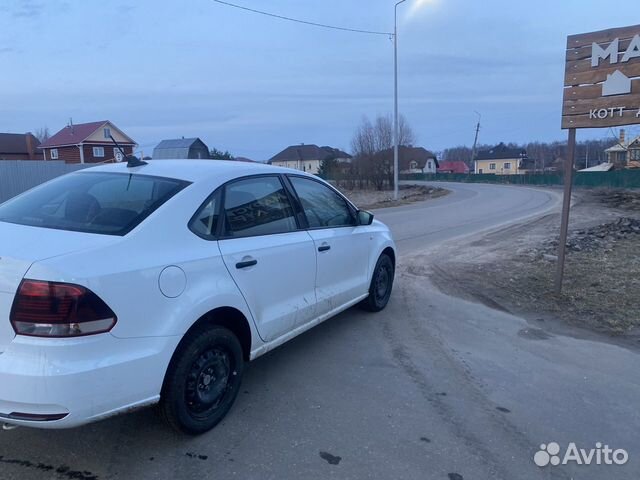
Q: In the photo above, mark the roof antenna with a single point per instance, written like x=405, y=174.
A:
x=132, y=160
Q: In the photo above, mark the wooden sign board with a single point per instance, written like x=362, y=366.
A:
x=602, y=79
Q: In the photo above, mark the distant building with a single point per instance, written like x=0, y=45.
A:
x=501, y=160
x=528, y=165
x=181, y=148
x=87, y=143
x=414, y=160
x=19, y=146
x=453, y=166
x=308, y=158
x=624, y=154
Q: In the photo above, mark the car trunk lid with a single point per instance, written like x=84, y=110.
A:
x=20, y=247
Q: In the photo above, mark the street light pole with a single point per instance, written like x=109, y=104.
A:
x=396, y=122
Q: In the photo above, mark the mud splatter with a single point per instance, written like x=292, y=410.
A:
x=62, y=470
x=331, y=459
x=195, y=455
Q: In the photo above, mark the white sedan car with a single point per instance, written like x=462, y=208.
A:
x=122, y=286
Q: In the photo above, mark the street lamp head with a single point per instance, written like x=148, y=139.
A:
x=418, y=4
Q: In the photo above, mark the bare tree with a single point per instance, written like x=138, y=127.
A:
x=42, y=134
x=407, y=136
x=364, y=140
x=372, y=147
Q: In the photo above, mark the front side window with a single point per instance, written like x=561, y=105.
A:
x=107, y=133
x=507, y=166
x=98, y=151
x=91, y=202
x=322, y=206
x=634, y=154
x=257, y=206
x=492, y=166
x=54, y=154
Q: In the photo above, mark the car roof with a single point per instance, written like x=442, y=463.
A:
x=195, y=170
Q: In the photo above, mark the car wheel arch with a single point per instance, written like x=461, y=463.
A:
x=229, y=317
x=391, y=254
x=387, y=250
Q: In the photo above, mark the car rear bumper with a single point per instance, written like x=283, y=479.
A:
x=62, y=383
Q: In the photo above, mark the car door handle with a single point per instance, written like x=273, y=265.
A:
x=324, y=248
x=246, y=264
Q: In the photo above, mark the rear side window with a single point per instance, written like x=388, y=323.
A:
x=323, y=207
x=205, y=220
x=257, y=206
x=91, y=202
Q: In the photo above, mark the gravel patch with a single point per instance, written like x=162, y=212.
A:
x=515, y=267
x=372, y=199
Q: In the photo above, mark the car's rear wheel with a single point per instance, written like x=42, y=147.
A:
x=381, y=285
x=203, y=380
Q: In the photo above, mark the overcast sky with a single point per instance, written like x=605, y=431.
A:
x=253, y=85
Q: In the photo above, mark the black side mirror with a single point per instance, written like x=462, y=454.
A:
x=364, y=217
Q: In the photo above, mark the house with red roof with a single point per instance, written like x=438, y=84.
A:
x=87, y=143
x=453, y=166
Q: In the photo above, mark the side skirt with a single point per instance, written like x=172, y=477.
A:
x=303, y=328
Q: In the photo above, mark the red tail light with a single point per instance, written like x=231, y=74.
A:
x=51, y=309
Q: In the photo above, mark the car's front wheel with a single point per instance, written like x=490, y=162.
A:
x=203, y=380
x=381, y=285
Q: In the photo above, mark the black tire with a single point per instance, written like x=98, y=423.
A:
x=381, y=285
x=203, y=380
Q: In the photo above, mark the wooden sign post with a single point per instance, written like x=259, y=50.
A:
x=601, y=89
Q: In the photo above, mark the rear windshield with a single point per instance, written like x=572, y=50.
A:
x=91, y=202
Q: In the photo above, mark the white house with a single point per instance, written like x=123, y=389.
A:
x=308, y=158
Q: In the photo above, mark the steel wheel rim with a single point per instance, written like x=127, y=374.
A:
x=382, y=282
x=208, y=381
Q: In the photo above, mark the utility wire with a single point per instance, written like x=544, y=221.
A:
x=321, y=25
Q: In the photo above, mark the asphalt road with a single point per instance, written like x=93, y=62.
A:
x=431, y=388
x=468, y=209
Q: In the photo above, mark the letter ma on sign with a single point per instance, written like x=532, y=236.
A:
x=602, y=79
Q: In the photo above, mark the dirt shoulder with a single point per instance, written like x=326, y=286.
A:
x=371, y=199
x=513, y=269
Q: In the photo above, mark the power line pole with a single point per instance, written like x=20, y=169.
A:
x=475, y=142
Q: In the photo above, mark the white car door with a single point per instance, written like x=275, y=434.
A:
x=342, y=246
x=270, y=258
